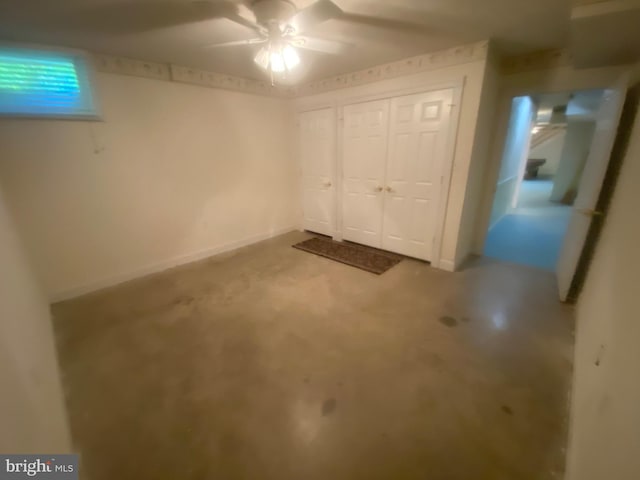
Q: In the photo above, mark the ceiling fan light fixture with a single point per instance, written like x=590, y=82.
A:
x=277, y=59
x=277, y=62
x=262, y=58
x=291, y=57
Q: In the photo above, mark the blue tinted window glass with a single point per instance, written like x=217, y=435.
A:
x=44, y=83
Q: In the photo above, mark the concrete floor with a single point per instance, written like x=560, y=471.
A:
x=273, y=363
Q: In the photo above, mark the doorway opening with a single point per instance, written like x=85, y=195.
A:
x=546, y=149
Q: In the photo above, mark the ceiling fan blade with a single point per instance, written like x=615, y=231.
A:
x=238, y=13
x=237, y=43
x=320, y=45
x=386, y=23
x=316, y=13
x=137, y=16
x=246, y=14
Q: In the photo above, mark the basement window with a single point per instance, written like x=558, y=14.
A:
x=45, y=83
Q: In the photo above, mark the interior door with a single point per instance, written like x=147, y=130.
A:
x=607, y=121
x=418, y=131
x=317, y=153
x=364, y=153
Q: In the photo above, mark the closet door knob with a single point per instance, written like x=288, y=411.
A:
x=327, y=184
x=378, y=189
x=389, y=189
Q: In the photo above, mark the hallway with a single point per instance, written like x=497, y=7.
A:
x=532, y=233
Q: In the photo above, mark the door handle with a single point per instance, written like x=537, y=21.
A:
x=588, y=212
x=389, y=189
x=327, y=184
x=378, y=189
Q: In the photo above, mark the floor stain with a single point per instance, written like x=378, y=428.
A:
x=507, y=409
x=434, y=360
x=329, y=406
x=449, y=321
x=184, y=300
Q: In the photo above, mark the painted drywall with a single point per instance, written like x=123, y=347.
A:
x=479, y=159
x=32, y=412
x=573, y=158
x=551, y=151
x=174, y=173
x=514, y=156
x=553, y=80
x=472, y=75
x=604, y=431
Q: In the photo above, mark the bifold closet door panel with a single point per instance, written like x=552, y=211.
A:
x=364, y=152
x=418, y=131
x=317, y=154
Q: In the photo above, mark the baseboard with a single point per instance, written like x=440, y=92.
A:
x=111, y=281
x=507, y=180
x=495, y=223
x=447, y=265
x=461, y=262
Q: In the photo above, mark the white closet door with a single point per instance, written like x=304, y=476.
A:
x=317, y=152
x=418, y=130
x=364, y=158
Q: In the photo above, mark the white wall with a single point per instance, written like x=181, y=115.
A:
x=551, y=150
x=174, y=173
x=514, y=156
x=573, y=158
x=479, y=160
x=472, y=74
x=32, y=412
x=605, y=417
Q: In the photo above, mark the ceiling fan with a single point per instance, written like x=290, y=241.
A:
x=282, y=28
x=279, y=26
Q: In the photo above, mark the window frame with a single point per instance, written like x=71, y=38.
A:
x=84, y=64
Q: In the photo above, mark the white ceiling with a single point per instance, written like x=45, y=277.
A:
x=517, y=26
x=605, y=32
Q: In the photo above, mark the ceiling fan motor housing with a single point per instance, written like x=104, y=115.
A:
x=270, y=12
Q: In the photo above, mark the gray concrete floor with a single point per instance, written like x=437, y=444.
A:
x=273, y=363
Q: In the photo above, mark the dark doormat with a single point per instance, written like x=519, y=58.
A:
x=366, y=258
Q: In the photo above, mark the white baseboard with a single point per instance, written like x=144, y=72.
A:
x=447, y=265
x=79, y=290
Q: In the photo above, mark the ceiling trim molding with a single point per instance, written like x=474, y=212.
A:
x=204, y=78
x=408, y=66
x=128, y=66
x=543, y=60
x=193, y=76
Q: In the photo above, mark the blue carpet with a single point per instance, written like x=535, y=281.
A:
x=531, y=234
